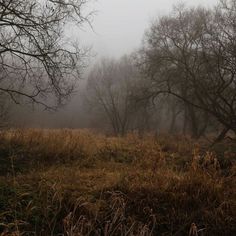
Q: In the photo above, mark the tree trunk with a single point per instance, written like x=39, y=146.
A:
x=221, y=136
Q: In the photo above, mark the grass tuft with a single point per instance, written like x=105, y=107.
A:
x=76, y=182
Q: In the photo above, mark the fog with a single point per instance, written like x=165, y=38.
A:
x=117, y=29
x=119, y=25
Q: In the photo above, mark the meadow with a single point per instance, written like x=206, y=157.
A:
x=78, y=182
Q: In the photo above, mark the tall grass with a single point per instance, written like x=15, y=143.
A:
x=76, y=182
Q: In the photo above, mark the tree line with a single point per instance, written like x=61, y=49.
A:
x=182, y=79
x=184, y=73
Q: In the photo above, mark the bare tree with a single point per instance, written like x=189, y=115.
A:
x=110, y=87
x=191, y=55
x=37, y=60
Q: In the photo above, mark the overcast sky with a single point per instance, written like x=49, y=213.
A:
x=119, y=25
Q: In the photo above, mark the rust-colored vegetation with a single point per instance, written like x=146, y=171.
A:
x=76, y=182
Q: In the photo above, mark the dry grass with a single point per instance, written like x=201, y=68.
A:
x=75, y=182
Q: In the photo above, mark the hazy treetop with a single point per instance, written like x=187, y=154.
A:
x=119, y=24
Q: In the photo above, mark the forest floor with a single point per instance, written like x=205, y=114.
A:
x=77, y=182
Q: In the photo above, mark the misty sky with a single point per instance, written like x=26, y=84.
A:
x=119, y=25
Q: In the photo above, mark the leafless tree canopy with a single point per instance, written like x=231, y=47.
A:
x=36, y=58
x=191, y=54
x=182, y=80
x=110, y=91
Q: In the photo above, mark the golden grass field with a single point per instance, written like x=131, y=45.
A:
x=77, y=182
